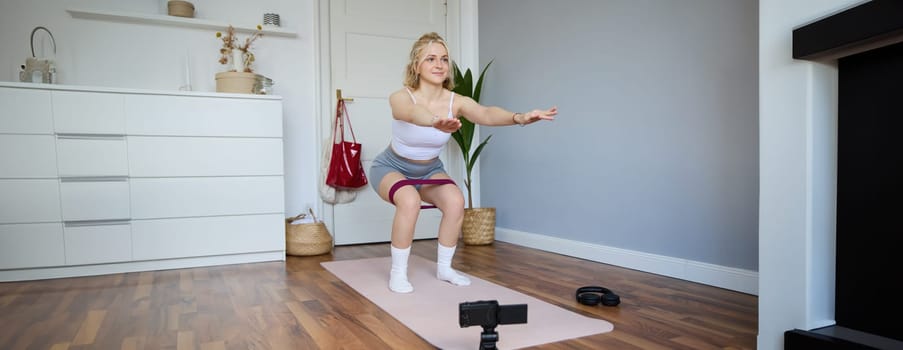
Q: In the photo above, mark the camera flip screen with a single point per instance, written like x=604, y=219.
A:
x=490, y=313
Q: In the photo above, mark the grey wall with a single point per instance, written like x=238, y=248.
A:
x=655, y=148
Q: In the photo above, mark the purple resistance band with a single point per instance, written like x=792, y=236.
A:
x=411, y=182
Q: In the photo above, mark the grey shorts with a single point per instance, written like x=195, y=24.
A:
x=387, y=162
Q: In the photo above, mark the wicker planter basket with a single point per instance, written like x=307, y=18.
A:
x=479, y=226
x=306, y=239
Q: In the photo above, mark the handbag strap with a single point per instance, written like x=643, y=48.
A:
x=338, y=127
x=341, y=114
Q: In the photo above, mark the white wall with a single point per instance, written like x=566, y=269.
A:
x=797, y=140
x=796, y=118
x=147, y=56
x=655, y=148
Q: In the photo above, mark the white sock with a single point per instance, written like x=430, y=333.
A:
x=398, y=276
x=444, y=271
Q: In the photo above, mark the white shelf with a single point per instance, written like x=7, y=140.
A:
x=133, y=17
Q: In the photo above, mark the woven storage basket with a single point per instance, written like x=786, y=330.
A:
x=235, y=82
x=479, y=226
x=306, y=238
x=180, y=8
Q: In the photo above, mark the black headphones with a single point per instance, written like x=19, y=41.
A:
x=588, y=296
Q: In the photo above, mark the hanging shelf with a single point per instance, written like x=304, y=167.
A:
x=133, y=17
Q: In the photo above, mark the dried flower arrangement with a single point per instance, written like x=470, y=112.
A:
x=231, y=43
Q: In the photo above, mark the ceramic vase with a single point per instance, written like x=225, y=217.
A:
x=238, y=60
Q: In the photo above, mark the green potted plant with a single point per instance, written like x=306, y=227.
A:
x=479, y=223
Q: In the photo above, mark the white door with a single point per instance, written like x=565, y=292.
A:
x=369, y=46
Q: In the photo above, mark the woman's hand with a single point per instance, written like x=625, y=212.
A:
x=448, y=125
x=537, y=115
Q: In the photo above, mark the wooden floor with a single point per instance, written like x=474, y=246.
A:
x=299, y=305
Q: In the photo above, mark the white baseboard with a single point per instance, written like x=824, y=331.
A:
x=740, y=280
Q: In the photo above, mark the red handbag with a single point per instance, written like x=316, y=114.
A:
x=345, y=168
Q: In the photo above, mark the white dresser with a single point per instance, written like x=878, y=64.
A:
x=97, y=180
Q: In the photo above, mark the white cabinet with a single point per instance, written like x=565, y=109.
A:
x=188, y=116
x=204, y=156
x=98, y=242
x=95, y=199
x=105, y=180
x=31, y=245
x=203, y=196
x=86, y=156
x=171, y=238
x=25, y=111
x=76, y=112
x=27, y=156
x=29, y=200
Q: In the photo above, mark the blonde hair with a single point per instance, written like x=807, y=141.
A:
x=411, y=78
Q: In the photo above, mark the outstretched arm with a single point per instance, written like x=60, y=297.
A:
x=404, y=109
x=497, y=116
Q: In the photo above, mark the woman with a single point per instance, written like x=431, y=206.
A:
x=424, y=117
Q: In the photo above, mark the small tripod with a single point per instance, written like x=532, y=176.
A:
x=488, y=338
x=489, y=314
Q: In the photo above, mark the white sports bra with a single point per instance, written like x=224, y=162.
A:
x=419, y=142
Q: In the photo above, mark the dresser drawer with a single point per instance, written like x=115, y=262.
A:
x=25, y=111
x=27, y=156
x=88, y=113
x=29, y=201
x=177, y=238
x=202, y=116
x=185, y=197
x=31, y=245
x=203, y=156
x=91, y=199
x=98, y=242
x=92, y=156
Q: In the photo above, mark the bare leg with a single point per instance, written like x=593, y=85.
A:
x=407, y=209
x=450, y=200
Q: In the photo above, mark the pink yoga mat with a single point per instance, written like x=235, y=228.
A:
x=431, y=310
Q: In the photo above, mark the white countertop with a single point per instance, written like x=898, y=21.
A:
x=61, y=87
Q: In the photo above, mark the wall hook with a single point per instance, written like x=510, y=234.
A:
x=338, y=96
